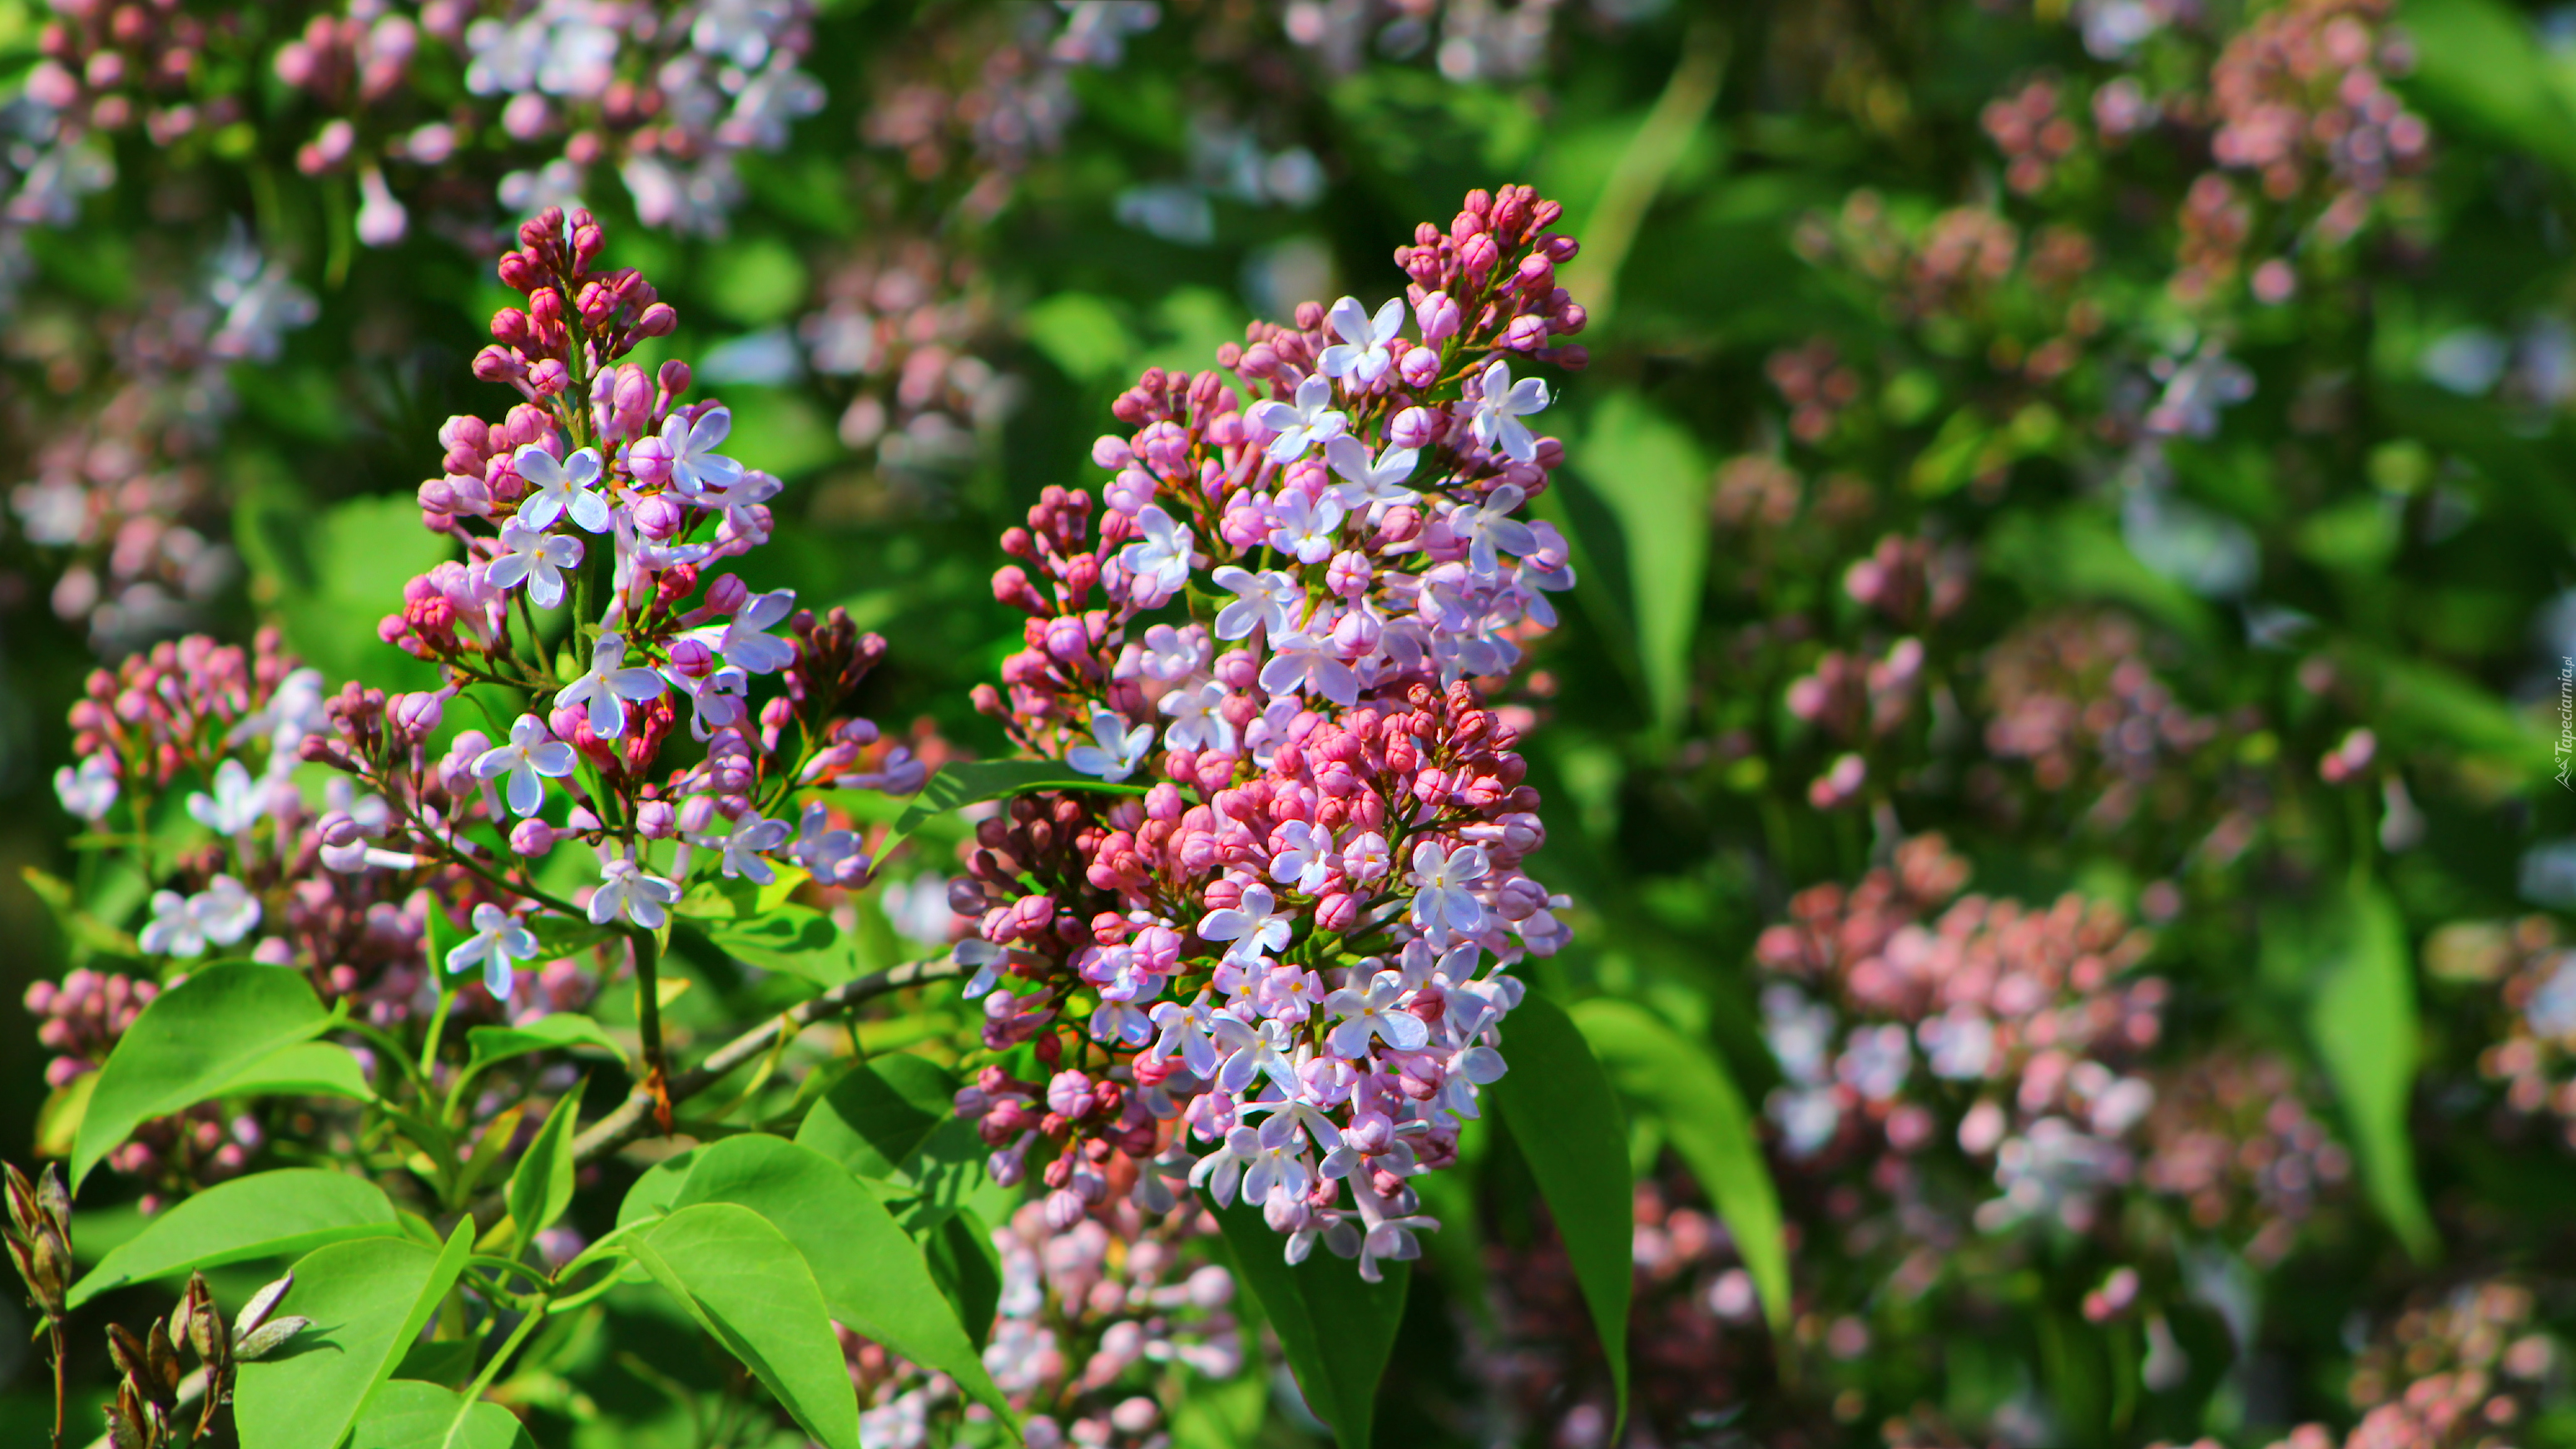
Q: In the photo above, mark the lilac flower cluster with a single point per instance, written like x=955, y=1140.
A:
x=910, y=328
x=1282, y=946
x=1092, y=1320
x=2534, y=1055
x=2233, y=1139
x=2460, y=1370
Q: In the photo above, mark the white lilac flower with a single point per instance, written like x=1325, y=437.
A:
x=1271, y=601
x=1808, y=1118
x=1363, y=356
x=236, y=804
x=607, y=685
x=626, y=891
x=535, y=558
x=562, y=488
x=1308, y=422
x=1277, y=1166
x=533, y=752
x=1185, y=1030
x=1198, y=719
x=1251, y=1052
x=1160, y=557
x=1307, y=663
x=1118, y=751
x=1374, y=1012
x=1307, y=861
x=743, y=852
x=90, y=791
x=695, y=466
x=499, y=944
x=1490, y=526
x=1875, y=1061
x=1444, y=881
x=1499, y=409
x=1256, y=926
x=1366, y=481
x=1959, y=1044
x=1303, y=528
x=1385, y=1236
x=746, y=643
x=222, y=914
x=720, y=700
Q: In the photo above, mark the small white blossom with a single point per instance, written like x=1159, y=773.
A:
x=1119, y=750
x=695, y=467
x=222, y=913
x=532, y=752
x=1499, y=409
x=1303, y=528
x=1254, y=927
x=1367, y=481
x=1271, y=601
x=1444, y=880
x=1198, y=720
x=236, y=805
x=1363, y=356
x=499, y=944
x=608, y=684
x=625, y=890
x=561, y=488
x=1308, y=422
x=743, y=851
x=535, y=558
x=746, y=643
x=1160, y=557
x=90, y=791
x=1374, y=1012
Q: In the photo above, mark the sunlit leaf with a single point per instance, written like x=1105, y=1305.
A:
x=266, y=1215
x=189, y=1043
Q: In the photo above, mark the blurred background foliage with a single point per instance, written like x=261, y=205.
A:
x=2109, y=435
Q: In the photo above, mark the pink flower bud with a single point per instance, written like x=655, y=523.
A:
x=1438, y=316
x=1419, y=367
x=660, y=518
x=655, y=820
x=726, y=595
x=533, y=837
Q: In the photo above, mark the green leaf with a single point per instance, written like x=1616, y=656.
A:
x=541, y=1185
x=970, y=782
x=266, y=1215
x=968, y=1269
x=192, y=1040
x=412, y=1415
x=746, y=1284
x=1706, y=1121
x=562, y=1031
x=871, y=1274
x=1566, y=1121
x=1336, y=1328
x=1081, y=334
x=306, y=1069
x=2349, y=955
x=1650, y=473
x=368, y=1301
x=795, y=939
x=2478, y=66
x=1221, y=1413
x=879, y=1113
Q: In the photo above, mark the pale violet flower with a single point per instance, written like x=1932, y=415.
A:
x=1118, y=751
x=1374, y=1012
x=1303, y=424
x=1365, y=857
x=1489, y=527
x=1271, y=600
x=1363, y=356
x=535, y=558
x=561, y=488
x=532, y=752
x=987, y=959
x=1499, y=409
x=625, y=890
x=2552, y=1009
x=608, y=685
x=743, y=852
x=1198, y=719
x=746, y=643
x=695, y=466
x=236, y=804
x=222, y=914
x=1366, y=481
x=90, y=791
x=499, y=944
x=1444, y=881
x=1160, y=557
x=720, y=700
x=1307, y=860
x=1276, y=1161
x=830, y=856
x=1254, y=927
x=1307, y=663
x=1185, y=1030
x=1304, y=528
x=1250, y=1052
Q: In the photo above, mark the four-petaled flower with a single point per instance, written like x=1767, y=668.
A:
x=1119, y=750
x=608, y=684
x=1254, y=927
x=222, y=913
x=236, y=805
x=89, y=792
x=830, y=856
x=625, y=890
x=1160, y=557
x=1271, y=601
x=1363, y=356
x=1305, y=528
x=536, y=558
x=695, y=467
x=561, y=488
x=1305, y=859
x=1198, y=719
x=1374, y=1012
x=1367, y=481
x=1500, y=408
x=1307, y=663
x=744, y=852
x=1489, y=527
x=746, y=643
x=1444, y=879
x=499, y=943
x=533, y=751
x=1303, y=424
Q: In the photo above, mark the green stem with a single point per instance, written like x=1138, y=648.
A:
x=437, y=1020
x=648, y=1021
x=528, y=1322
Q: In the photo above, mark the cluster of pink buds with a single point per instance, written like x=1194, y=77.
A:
x=1875, y=1002
x=2301, y=98
x=907, y=327
x=1290, y=946
x=2077, y=698
x=1092, y=1319
x=107, y=66
x=2534, y=976
x=81, y=1021
x=2034, y=135
x=2462, y=1371
x=2232, y=1138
